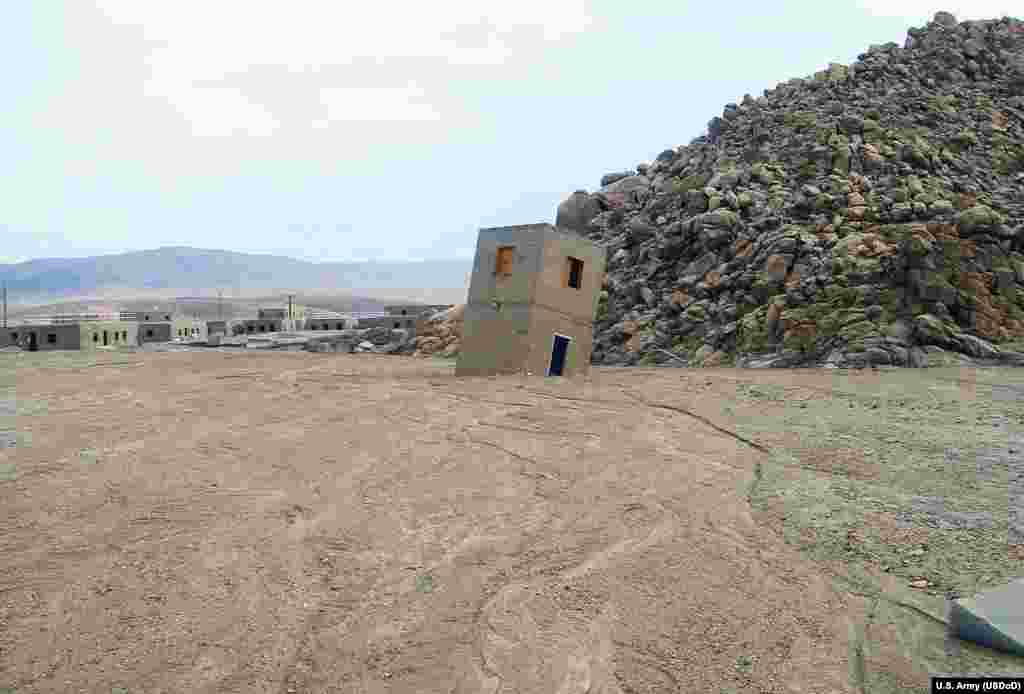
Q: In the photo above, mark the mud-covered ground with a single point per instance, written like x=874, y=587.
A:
x=291, y=522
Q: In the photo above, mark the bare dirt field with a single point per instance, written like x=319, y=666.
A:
x=291, y=522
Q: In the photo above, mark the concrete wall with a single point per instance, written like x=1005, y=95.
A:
x=94, y=334
x=544, y=323
x=154, y=332
x=64, y=336
x=256, y=327
x=485, y=286
x=154, y=317
x=189, y=329
x=551, y=289
x=328, y=324
x=493, y=341
x=216, y=327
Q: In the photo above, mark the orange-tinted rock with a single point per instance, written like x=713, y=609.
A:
x=989, y=319
x=633, y=343
x=871, y=153
x=714, y=359
x=987, y=328
x=966, y=200
x=976, y=283
x=679, y=297
x=713, y=279
x=743, y=248
x=456, y=314
x=944, y=232
x=792, y=280
x=804, y=330
x=922, y=232
x=775, y=265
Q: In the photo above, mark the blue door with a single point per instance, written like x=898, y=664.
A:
x=558, y=355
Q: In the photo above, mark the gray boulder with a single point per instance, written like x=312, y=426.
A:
x=628, y=186
x=577, y=211
x=610, y=178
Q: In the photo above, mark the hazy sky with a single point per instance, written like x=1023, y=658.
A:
x=394, y=130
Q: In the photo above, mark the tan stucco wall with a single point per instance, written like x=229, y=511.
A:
x=544, y=323
x=187, y=324
x=127, y=334
x=517, y=288
x=493, y=342
x=550, y=288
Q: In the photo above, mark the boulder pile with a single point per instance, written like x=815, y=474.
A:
x=379, y=340
x=439, y=335
x=870, y=214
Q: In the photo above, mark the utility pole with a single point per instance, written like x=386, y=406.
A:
x=5, y=304
x=220, y=304
x=290, y=297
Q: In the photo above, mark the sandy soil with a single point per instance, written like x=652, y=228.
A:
x=291, y=522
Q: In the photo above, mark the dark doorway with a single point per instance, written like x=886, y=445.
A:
x=558, y=350
x=33, y=342
x=105, y=338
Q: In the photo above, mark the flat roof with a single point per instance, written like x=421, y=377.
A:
x=519, y=226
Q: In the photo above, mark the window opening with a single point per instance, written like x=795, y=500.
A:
x=574, y=276
x=503, y=266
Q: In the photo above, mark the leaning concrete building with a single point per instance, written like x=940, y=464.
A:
x=532, y=300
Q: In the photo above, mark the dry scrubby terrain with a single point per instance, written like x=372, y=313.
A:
x=293, y=522
x=853, y=217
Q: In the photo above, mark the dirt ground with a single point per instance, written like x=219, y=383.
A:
x=292, y=522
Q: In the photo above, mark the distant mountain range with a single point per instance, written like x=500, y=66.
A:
x=55, y=279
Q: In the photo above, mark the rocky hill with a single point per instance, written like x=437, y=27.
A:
x=869, y=214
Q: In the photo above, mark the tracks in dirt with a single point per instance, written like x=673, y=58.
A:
x=703, y=420
x=571, y=649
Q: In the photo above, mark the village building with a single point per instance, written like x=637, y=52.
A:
x=189, y=329
x=216, y=327
x=252, y=326
x=84, y=335
x=155, y=332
